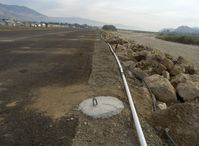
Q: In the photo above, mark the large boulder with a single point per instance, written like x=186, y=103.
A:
x=188, y=91
x=161, y=88
x=180, y=78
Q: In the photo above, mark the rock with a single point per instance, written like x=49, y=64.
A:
x=139, y=74
x=157, y=56
x=169, y=56
x=127, y=45
x=194, y=78
x=188, y=91
x=180, y=78
x=141, y=56
x=85, y=123
x=182, y=120
x=143, y=64
x=146, y=64
x=128, y=64
x=116, y=40
x=161, y=105
x=167, y=63
x=190, y=69
x=123, y=57
x=120, y=49
x=159, y=68
x=166, y=75
x=122, y=53
x=177, y=69
x=130, y=53
x=161, y=88
x=181, y=60
x=130, y=74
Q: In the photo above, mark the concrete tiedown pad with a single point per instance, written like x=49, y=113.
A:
x=107, y=106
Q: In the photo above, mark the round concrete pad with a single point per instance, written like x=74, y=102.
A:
x=107, y=106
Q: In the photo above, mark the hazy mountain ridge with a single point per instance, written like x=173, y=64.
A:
x=182, y=30
x=75, y=20
x=26, y=14
x=20, y=13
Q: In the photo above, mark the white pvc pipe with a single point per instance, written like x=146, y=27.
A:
x=133, y=110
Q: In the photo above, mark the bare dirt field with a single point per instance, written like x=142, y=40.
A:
x=189, y=52
x=39, y=71
x=44, y=75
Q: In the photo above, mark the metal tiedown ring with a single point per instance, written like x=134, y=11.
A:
x=94, y=101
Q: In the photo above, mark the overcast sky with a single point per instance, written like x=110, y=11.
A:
x=144, y=14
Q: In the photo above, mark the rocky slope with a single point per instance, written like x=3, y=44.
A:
x=165, y=90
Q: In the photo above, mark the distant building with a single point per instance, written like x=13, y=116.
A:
x=19, y=23
x=10, y=22
x=2, y=22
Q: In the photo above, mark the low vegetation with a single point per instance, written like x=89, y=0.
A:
x=185, y=39
x=109, y=27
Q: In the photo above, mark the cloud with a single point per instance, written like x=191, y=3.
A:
x=146, y=14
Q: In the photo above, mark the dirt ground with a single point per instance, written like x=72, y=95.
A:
x=36, y=70
x=45, y=74
x=43, y=78
x=189, y=52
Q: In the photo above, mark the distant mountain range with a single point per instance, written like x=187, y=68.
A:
x=26, y=14
x=182, y=30
x=20, y=13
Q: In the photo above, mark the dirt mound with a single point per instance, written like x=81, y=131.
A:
x=182, y=121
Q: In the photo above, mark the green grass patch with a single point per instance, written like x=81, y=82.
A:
x=185, y=39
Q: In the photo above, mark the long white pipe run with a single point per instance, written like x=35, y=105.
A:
x=133, y=110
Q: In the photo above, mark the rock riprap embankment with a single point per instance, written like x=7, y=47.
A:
x=164, y=74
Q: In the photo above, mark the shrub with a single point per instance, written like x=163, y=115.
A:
x=109, y=27
x=185, y=39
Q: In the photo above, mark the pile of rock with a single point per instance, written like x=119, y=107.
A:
x=171, y=80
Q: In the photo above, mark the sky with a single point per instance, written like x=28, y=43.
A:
x=151, y=15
